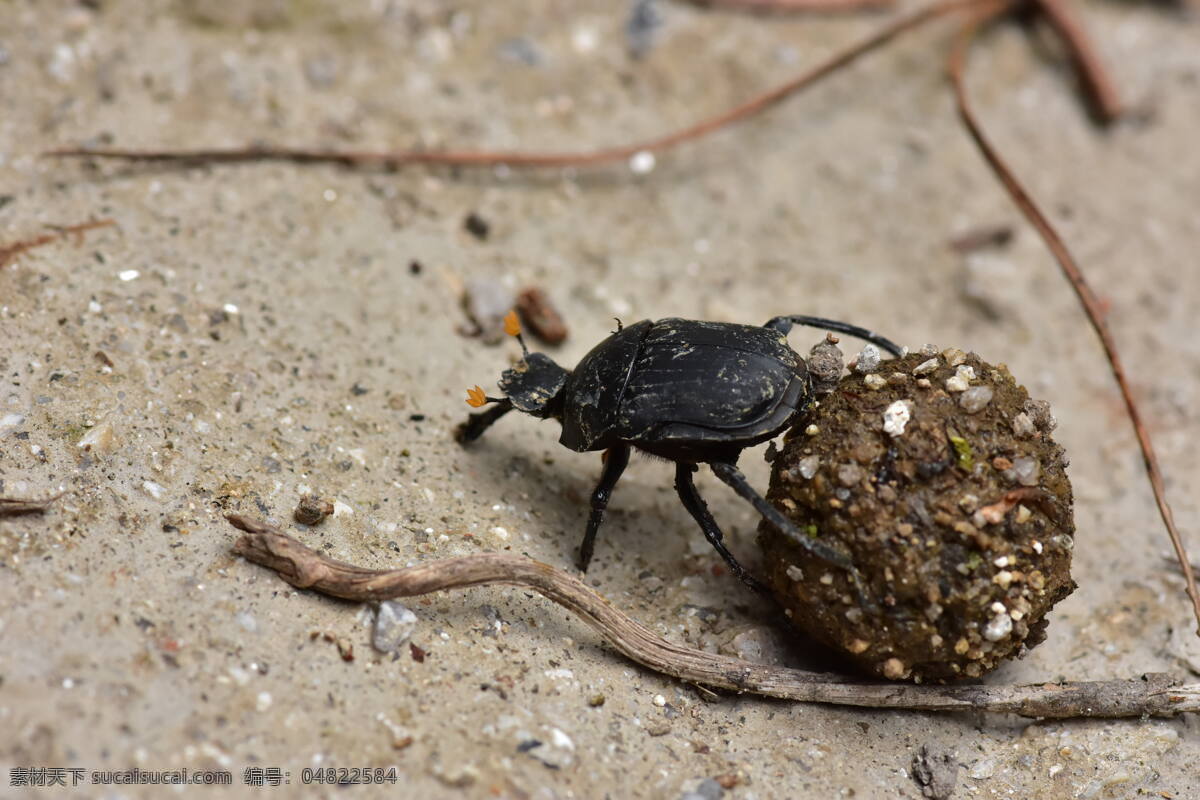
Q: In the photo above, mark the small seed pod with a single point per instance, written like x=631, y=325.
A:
x=937, y=475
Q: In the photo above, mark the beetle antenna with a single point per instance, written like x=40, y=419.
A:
x=512, y=326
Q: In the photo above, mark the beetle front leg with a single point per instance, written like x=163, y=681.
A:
x=476, y=424
x=785, y=323
x=696, y=506
x=730, y=474
x=615, y=460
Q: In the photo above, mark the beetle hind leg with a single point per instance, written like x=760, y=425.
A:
x=784, y=324
x=615, y=460
x=730, y=474
x=696, y=506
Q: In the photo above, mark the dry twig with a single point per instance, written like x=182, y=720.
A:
x=795, y=6
x=11, y=506
x=1070, y=268
x=479, y=158
x=1153, y=695
x=9, y=252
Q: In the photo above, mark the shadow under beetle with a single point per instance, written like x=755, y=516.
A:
x=688, y=391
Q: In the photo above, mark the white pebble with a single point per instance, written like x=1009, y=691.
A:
x=1022, y=426
x=896, y=417
x=874, y=382
x=659, y=700
x=1000, y=626
x=925, y=367
x=128, y=274
x=153, y=489
x=394, y=625
x=975, y=399
x=808, y=466
x=794, y=573
x=642, y=162
x=961, y=380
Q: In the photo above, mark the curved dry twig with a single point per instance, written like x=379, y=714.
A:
x=795, y=6
x=11, y=251
x=1154, y=695
x=481, y=158
x=1074, y=274
x=11, y=506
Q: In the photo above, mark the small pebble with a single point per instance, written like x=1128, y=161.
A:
x=976, y=398
x=925, y=367
x=1025, y=471
x=642, y=162
x=896, y=417
x=874, y=382
x=487, y=301
x=868, y=360
x=812, y=430
x=849, y=475
x=893, y=669
x=1022, y=426
x=808, y=466
x=394, y=625
x=961, y=380
x=477, y=226
x=1000, y=626
x=707, y=789
x=929, y=350
x=1039, y=412
x=312, y=510
x=954, y=357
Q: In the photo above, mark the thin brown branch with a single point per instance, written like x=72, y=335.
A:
x=11, y=506
x=1097, y=83
x=11, y=251
x=795, y=6
x=479, y=158
x=1074, y=274
x=1155, y=695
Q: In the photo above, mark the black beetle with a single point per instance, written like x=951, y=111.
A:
x=688, y=391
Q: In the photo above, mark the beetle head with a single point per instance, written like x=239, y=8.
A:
x=534, y=385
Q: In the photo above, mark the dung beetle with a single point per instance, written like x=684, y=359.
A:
x=688, y=391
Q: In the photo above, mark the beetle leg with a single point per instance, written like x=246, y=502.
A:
x=476, y=424
x=615, y=460
x=784, y=324
x=733, y=476
x=696, y=506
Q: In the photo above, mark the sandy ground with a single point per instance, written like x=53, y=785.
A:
x=267, y=333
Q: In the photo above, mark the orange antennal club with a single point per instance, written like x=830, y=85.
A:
x=512, y=325
x=476, y=397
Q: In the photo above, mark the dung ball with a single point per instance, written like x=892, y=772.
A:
x=936, y=474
